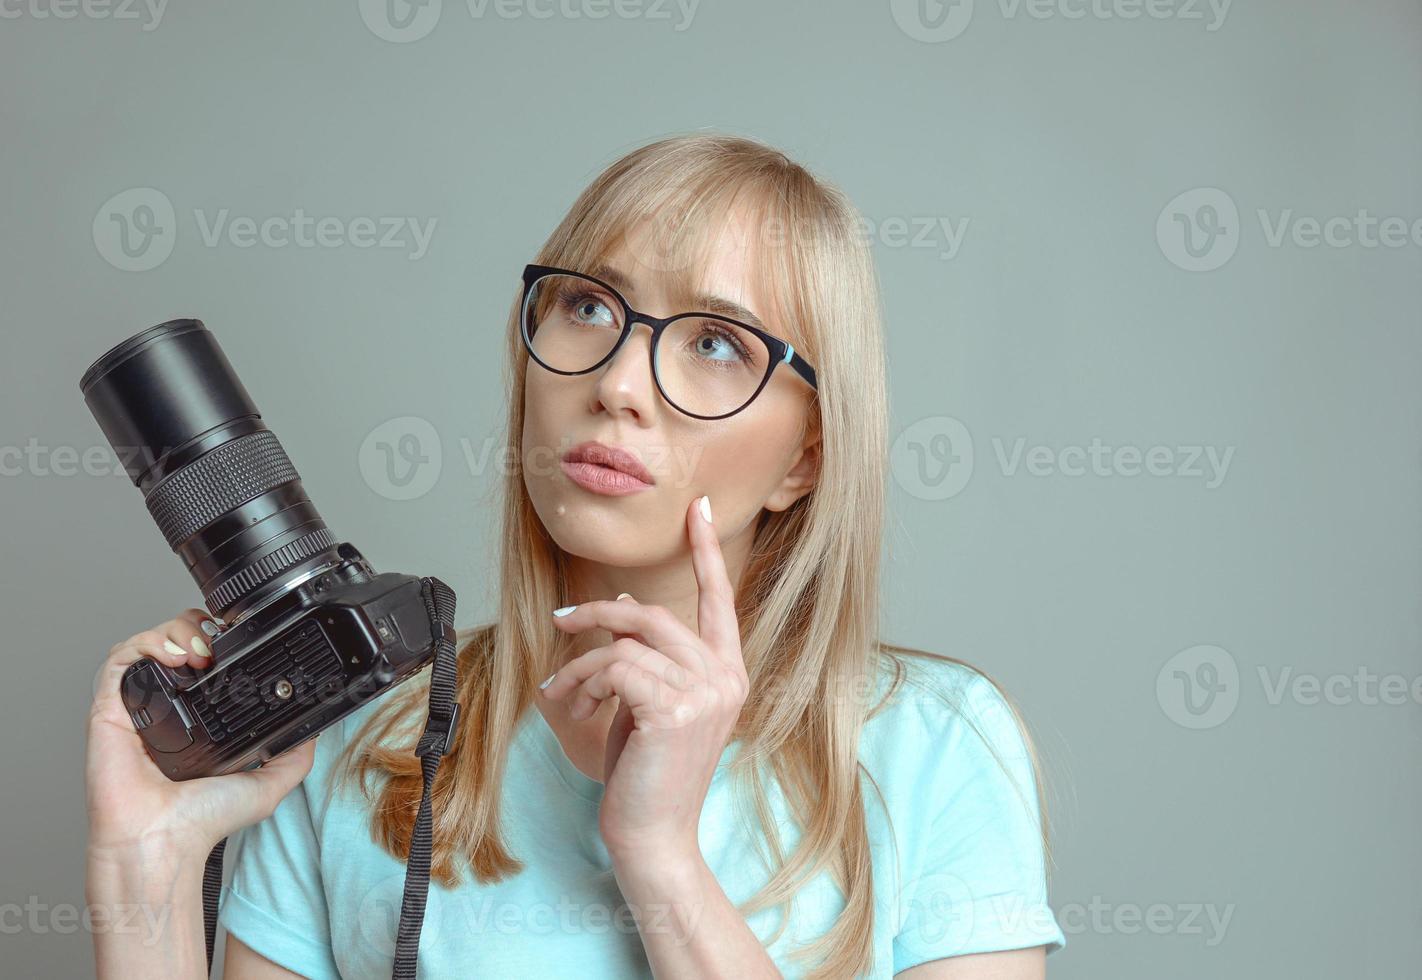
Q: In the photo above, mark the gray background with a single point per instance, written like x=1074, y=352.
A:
x=1071, y=311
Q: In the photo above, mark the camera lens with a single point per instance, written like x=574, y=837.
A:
x=214, y=478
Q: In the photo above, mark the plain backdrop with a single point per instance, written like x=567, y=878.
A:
x=1151, y=280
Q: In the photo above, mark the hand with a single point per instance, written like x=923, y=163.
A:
x=680, y=695
x=133, y=806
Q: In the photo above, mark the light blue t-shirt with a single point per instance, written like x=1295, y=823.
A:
x=312, y=892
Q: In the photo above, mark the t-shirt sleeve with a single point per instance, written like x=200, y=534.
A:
x=978, y=883
x=275, y=902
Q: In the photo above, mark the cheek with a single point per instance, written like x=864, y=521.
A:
x=744, y=467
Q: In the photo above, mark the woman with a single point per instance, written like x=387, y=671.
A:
x=683, y=750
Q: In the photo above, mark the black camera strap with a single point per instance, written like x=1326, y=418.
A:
x=440, y=728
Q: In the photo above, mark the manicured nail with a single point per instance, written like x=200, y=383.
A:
x=548, y=681
x=706, y=509
x=200, y=648
x=174, y=649
x=624, y=595
x=564, y=611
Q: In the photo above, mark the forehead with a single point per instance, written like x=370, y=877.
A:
x=720, y=273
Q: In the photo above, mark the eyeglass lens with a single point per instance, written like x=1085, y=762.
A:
x=706, y=365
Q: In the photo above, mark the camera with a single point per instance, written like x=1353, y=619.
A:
x=310, y=631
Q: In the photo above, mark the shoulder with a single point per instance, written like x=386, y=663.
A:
x=942, y=728
x=943, y=698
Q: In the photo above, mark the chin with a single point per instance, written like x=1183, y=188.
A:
x=608, y=530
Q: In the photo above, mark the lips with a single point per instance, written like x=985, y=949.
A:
x=606, y=469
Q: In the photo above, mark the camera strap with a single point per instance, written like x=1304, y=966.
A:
x=438, y=734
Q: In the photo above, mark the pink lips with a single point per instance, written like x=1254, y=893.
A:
x=605, y=469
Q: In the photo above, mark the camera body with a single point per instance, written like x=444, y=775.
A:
x=292, y=667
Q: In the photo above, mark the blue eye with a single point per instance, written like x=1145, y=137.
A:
x=580, y=305
x=727, y=338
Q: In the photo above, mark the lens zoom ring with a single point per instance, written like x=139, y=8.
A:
x=265, y=569
x=207, y=488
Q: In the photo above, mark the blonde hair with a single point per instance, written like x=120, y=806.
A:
x=809, y=598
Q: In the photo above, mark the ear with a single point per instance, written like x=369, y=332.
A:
x=800, y=480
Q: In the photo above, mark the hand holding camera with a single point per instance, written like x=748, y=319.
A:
x=132, y=805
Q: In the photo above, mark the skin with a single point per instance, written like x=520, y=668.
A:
x=645, y=702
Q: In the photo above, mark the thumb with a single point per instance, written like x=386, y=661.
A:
x=242, y=798
x=281, y=774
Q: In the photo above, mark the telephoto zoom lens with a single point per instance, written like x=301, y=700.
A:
x=215, y=479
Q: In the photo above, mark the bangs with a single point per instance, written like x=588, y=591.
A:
x=670, y=223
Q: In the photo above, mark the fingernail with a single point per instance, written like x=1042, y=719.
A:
x=624, y=595
x=564, y=611
x=548, y=681
x=706, y=509
x=174, y=649
x=200, y=648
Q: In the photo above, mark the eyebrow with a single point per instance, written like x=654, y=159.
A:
x=703, y=304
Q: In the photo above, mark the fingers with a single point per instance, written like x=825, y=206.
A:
x=641, y=676
x=171, y=643
x=716, y=602
x=186, y=631
x=654, y=626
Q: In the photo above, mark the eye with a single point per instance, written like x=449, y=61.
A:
x=719, y=343
x=586, y=307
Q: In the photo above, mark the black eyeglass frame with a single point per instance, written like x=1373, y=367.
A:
x=781, y=352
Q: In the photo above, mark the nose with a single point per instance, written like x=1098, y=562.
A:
x=626, y=381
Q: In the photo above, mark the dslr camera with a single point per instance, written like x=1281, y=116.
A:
x=310, y=630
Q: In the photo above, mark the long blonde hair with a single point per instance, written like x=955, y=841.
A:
x=809, y=598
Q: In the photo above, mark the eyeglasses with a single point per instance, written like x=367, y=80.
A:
x=705, y=365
